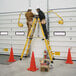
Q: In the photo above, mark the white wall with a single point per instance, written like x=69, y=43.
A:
x=38, y=45
x=22, y=5
x=8, y=23
x=62, y=43
x=17, y=41
x=13, y=5
x=53, y=4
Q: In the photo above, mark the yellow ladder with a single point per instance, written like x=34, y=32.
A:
x=30, y=36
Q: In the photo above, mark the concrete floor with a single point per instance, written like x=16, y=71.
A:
x=19, y=68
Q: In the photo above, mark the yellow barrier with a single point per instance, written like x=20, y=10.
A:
x=5, y=49
x=57, y=53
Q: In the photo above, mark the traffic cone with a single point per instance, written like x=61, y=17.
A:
x=69, y=59
x=11, y=58
x=32, y=64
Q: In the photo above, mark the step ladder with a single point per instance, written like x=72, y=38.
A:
x=30, y=37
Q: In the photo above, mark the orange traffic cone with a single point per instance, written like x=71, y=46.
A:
x=32, y=64
x=11, y=58
x=69, y=59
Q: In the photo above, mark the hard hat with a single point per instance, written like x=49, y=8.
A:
x=29, y=8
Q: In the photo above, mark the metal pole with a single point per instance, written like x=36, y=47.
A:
x=29, y=3
x=48, y=16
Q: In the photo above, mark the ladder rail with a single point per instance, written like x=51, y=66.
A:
x=28, y=38
x=46, y=43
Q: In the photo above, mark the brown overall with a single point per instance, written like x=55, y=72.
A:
x=29, y=16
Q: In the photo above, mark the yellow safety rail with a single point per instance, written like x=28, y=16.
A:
x=20, y=24
x=60, y=21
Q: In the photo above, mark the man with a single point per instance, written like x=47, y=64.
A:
x=43, y=22
x=29, y=16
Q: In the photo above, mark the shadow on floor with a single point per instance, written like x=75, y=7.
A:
x=4, y=59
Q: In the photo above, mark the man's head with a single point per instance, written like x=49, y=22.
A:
x=29, y=10
x=38, y=9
